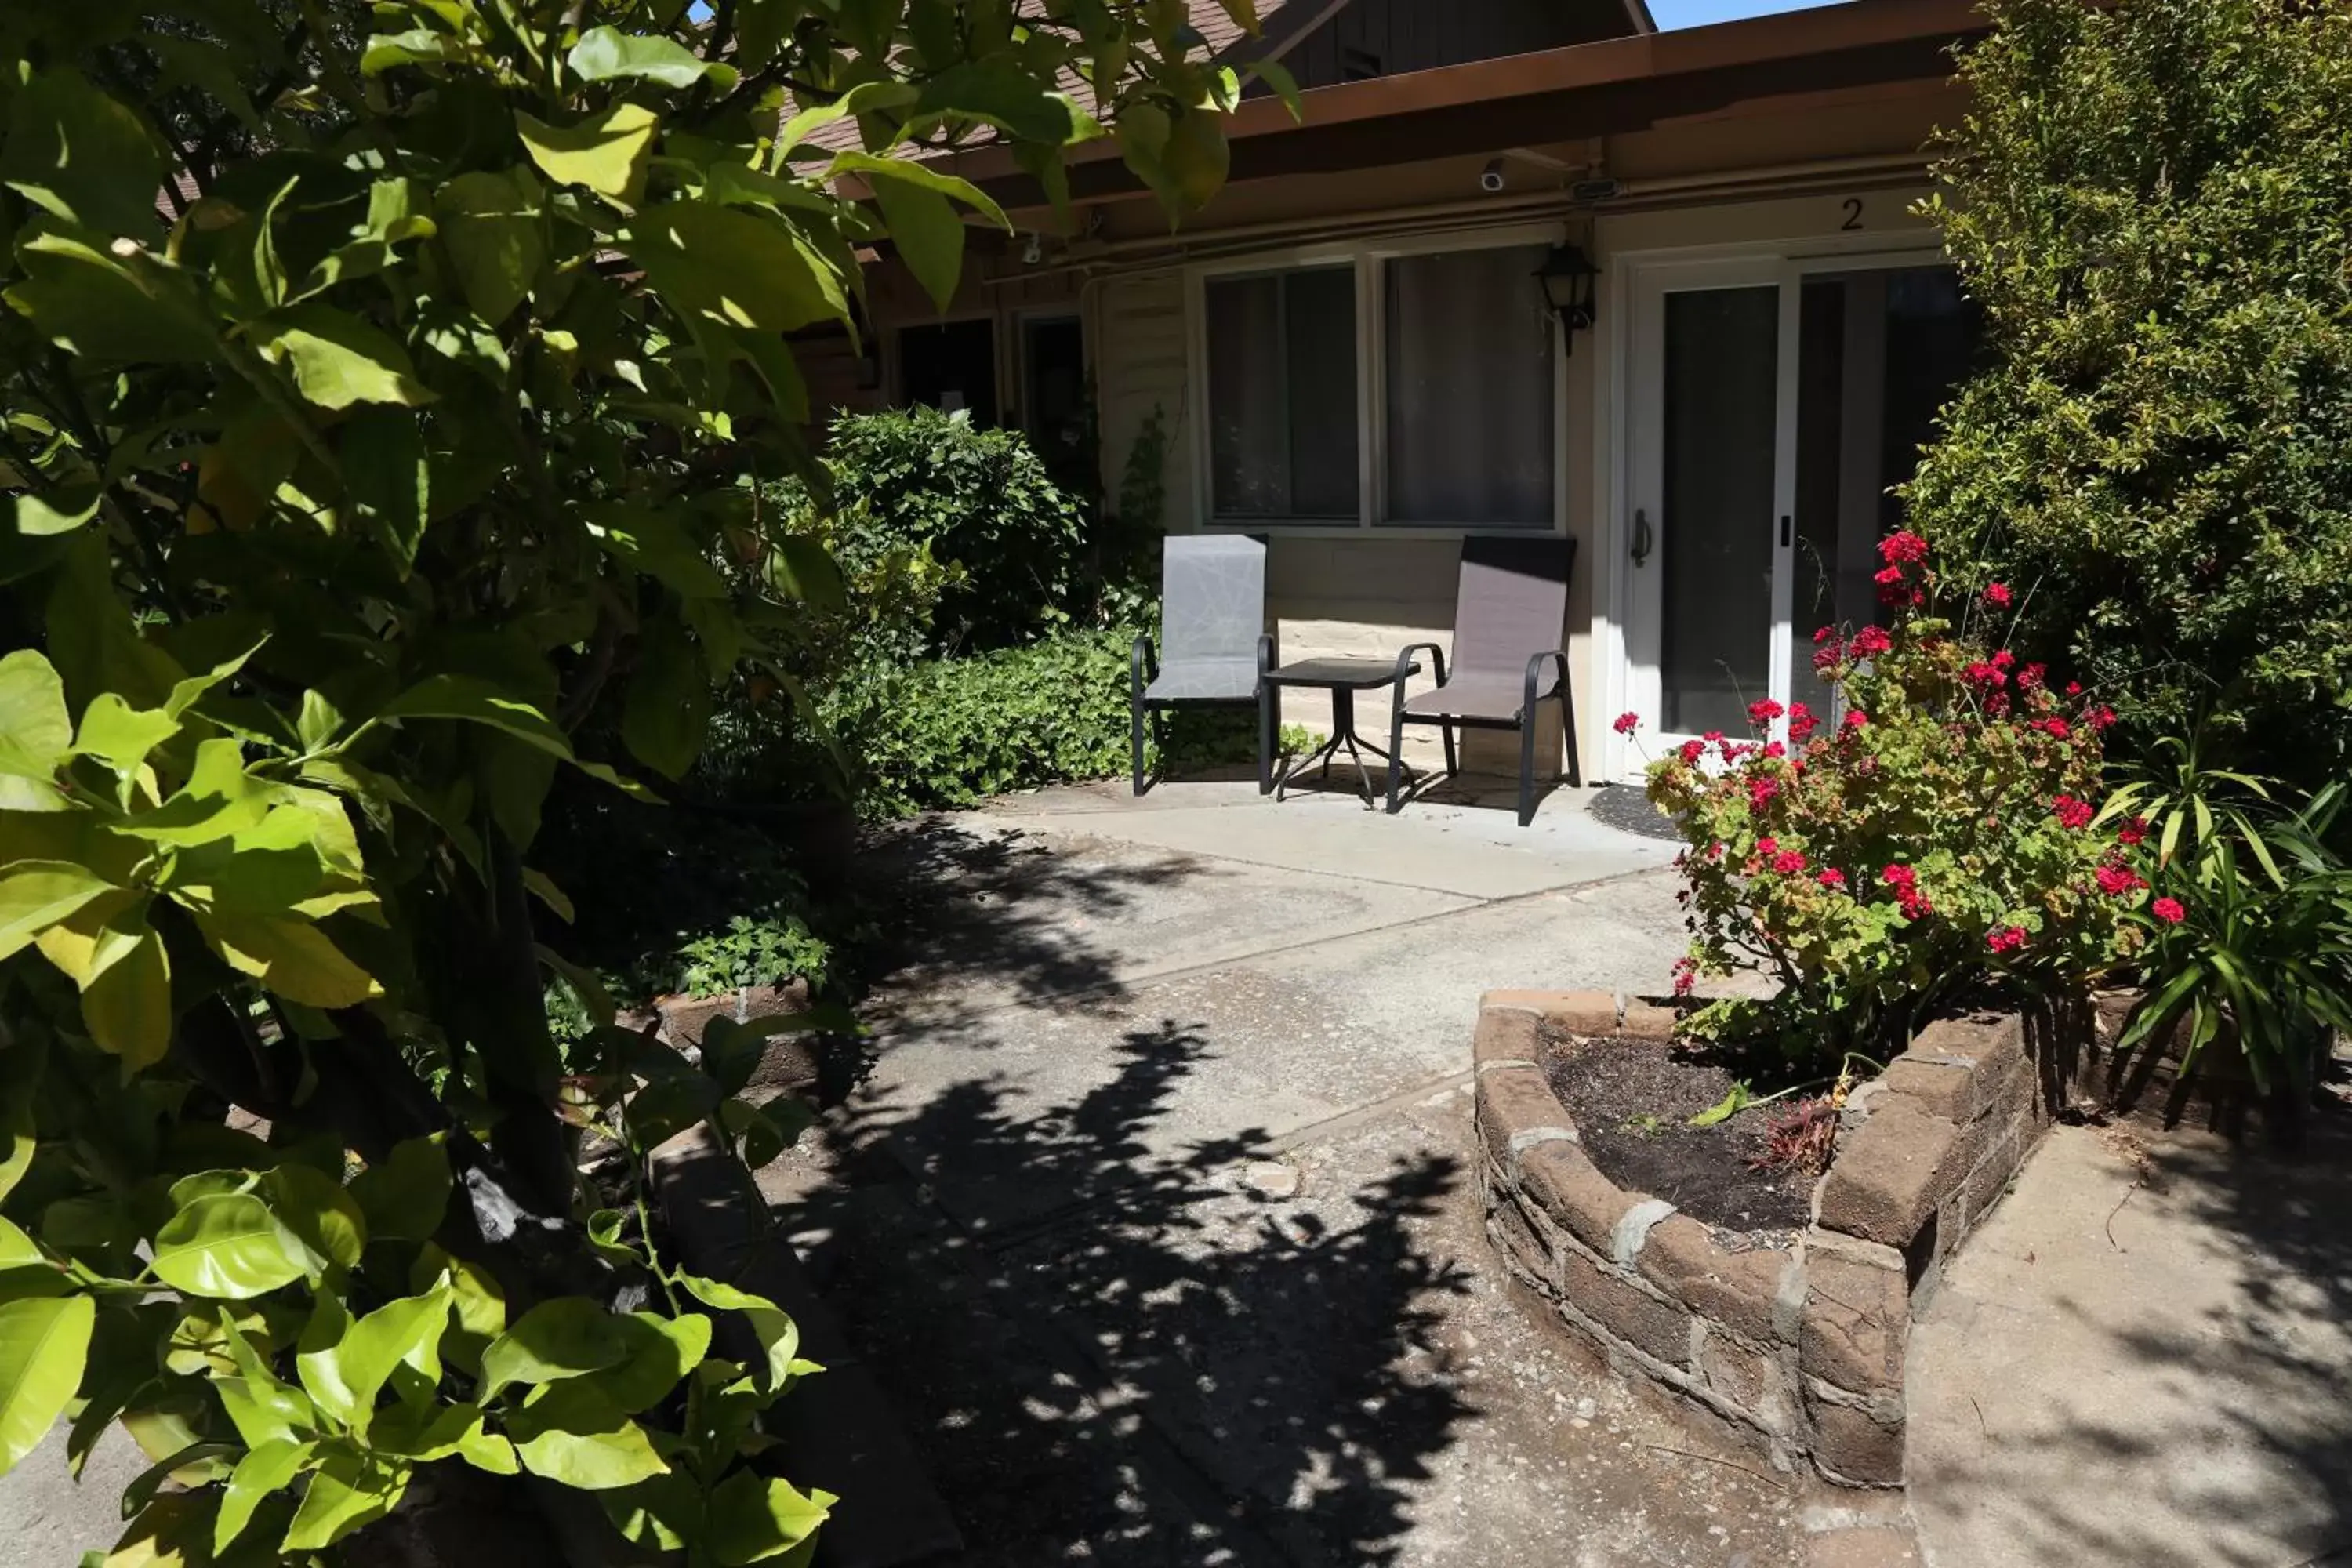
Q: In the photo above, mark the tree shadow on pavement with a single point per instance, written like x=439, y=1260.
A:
x=967, y=919
x=2227, y=1443
x=1114, y=1355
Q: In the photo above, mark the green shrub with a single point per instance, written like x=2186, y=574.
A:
x=952, y=733
x=676, y=900
x=1935, y=842
x=2148, y=200
x=2250, y=924
x=911, y=481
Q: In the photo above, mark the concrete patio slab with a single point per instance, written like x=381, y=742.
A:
x=1473, y=851
x=2144, y=1358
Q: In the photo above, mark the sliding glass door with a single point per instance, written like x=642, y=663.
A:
x=1775, y=405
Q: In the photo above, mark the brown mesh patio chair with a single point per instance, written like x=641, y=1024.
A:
x=1509, y=605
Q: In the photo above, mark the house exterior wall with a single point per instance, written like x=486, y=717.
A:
x=1368, y=591
x=1783, y=172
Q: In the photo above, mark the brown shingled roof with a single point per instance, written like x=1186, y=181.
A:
x=1281, y=24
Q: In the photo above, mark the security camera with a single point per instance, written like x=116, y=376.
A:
x=1490, y=178
x=1034, y=251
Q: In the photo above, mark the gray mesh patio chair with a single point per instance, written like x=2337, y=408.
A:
x=1212, y=622
x=1509, y=607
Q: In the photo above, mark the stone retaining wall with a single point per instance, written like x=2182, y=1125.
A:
x=1801, y=1352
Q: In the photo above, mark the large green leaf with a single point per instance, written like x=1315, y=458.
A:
x=657, y=544
x=319, y=1211
x=346, y=1491
x=219, y=800
x=603, y=54
x=103, y=305
x=339, y=360
x=566, y=1337
x=80, y=155
x=291, y=957
x=262, y=1405
x=606, y=153
x=494, y=227
x=998, y=92
x=35, y=894
x=43, y=1342
x=878, y=171
x=574, y=1433
x=740, y=267
x=388, y=476
x=929, y=234
x=265, y=1469
x=405, y=1194
x=34, y=728
x=866, y=97
x=227, y=1245
x=408, y=1330
x=778, y=1335
x=754, y=1518
x=667, y=709
x=127, y=1004
x=666, y=1350
x=120, y=735
x=476, y=702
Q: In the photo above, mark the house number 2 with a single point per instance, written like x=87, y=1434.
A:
x=1852, y=214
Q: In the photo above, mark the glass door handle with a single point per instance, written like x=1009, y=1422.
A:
x=1641, y=536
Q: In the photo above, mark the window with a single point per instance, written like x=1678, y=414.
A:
x=1282, y=393
x=1457, y=429
x=1469, y=388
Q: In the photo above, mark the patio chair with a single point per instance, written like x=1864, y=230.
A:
x=1213, y=621
x=1509, y=607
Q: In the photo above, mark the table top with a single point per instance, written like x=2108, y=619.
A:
x=1355, y=674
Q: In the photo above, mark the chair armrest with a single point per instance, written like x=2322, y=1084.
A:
x=1548, y=656
x=1266, y=657
x=1404, y=660
x=1142, y=664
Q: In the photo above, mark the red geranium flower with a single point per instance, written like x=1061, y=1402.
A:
x=1855, y=718
x=1998, y=595
x=1870, y=641
x=1766, y=846
x=1831, y=877
x=2169, y=911
x=2071, y=812
x=1693, y=751
x=1802, y=722
x=1627, y=723
x=1787, y=862
x=2117, y=880
x=2132, y=832
x=1763, y=712
x=2008, y=938
x=1901, y=546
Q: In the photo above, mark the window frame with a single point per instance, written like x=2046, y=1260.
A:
x=1369, y=258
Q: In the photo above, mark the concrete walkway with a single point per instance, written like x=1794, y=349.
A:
x=2144, y=1358
x=1156, y=1215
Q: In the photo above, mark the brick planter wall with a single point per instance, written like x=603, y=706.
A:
x=1799, y=1352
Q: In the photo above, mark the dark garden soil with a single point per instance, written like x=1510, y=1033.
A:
x=1632, y=1100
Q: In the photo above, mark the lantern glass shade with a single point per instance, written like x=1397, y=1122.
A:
x=1567, y=278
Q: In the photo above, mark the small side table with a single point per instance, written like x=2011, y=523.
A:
x=1342, y=678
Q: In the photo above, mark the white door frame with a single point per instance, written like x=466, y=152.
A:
x=1635, y=281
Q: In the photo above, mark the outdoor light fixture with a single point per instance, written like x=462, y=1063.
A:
x=1567, y=278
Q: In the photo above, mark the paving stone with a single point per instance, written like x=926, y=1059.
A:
x=1883, y=1185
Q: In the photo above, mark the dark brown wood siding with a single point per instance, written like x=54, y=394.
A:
x=1383, y=38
